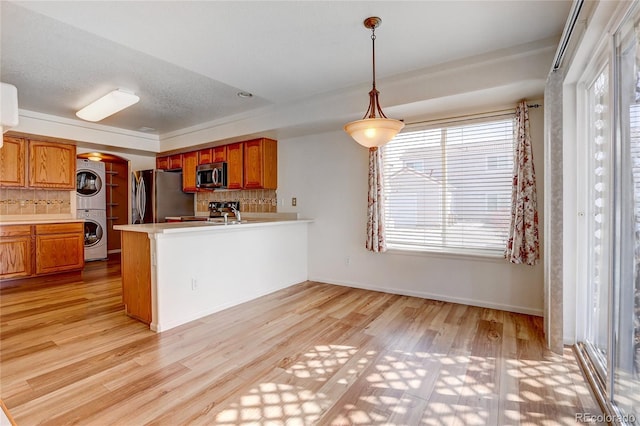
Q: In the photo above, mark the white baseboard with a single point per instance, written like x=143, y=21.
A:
x=433, y=296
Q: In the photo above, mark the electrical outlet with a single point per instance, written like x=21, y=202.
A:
x=194, y=284
x=347, y=260
x=294, y=201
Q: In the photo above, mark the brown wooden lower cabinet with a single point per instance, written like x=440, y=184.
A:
x=27, y=250
x=15, y=251
x=59, y=247
x=136, y=275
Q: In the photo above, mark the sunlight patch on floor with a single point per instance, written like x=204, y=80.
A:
x=273, y=403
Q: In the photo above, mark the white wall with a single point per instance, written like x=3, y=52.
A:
x=139, y=148
x=199, y=273
x=136, y=161
x=78, y=130
x=327, y=173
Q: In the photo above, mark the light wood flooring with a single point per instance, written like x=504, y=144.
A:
x=310, y=354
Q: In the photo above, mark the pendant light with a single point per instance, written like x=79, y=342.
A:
x=373, y=131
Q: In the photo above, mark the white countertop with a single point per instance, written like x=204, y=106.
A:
x=38, y=221
x=203, y=226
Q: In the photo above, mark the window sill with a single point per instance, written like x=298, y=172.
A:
x=485, y=257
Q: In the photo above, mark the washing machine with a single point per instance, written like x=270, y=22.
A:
x=95, y=233
x=91, y=188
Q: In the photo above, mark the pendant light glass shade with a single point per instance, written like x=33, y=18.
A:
x=373, y=131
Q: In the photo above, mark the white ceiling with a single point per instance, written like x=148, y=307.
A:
x=188, y=59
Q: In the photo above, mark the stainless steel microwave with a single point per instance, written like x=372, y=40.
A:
x=211, y=176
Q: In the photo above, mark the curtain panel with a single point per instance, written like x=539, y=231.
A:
x=523, y=242
x=375, y=211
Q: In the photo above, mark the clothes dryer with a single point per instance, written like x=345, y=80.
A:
x=95, y=233
x=91, y=188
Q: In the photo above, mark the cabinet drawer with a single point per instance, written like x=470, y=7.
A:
x=15, y=230
x=59, y=228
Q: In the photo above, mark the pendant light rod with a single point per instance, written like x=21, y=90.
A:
x=372, y=23
x=373, y=50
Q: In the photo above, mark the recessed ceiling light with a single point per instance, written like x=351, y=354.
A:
x=95, y=156
x=107, y=105
x=245, y=95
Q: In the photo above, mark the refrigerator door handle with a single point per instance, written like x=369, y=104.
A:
x=135, y=214
x=142, y=199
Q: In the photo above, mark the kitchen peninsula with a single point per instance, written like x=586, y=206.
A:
x=173, y=273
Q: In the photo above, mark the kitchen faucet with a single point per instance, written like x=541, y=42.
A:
x=236, y=212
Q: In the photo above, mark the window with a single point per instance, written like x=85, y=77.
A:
x=415, y=165
x=459, y=199
x=497, y=201
x=495, y=162
x=492, y=202
x=598, y=219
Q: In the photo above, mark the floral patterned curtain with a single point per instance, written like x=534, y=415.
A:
x=375, y=220
x=522, y=245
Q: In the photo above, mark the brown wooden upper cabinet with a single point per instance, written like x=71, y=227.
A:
x=234, y=165
x=169, y=162
x=189, y=164
x=205, y=156
x=49, y=165
x=261, y=164
x=162, y=163
x=12, y=164
x=175, y=162
x=52, y=165
x=219, y=153
x=212, y=155
x=250, y=165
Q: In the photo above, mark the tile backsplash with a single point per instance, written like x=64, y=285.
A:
x=251, y=201
x=22, y=201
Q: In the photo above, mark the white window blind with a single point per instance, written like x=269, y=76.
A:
x=448, y=187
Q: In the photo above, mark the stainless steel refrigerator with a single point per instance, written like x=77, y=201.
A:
x=157, y=194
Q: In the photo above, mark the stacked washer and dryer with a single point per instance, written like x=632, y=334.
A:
x=92, y=207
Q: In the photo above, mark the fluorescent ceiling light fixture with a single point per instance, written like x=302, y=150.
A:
x=108, y=105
